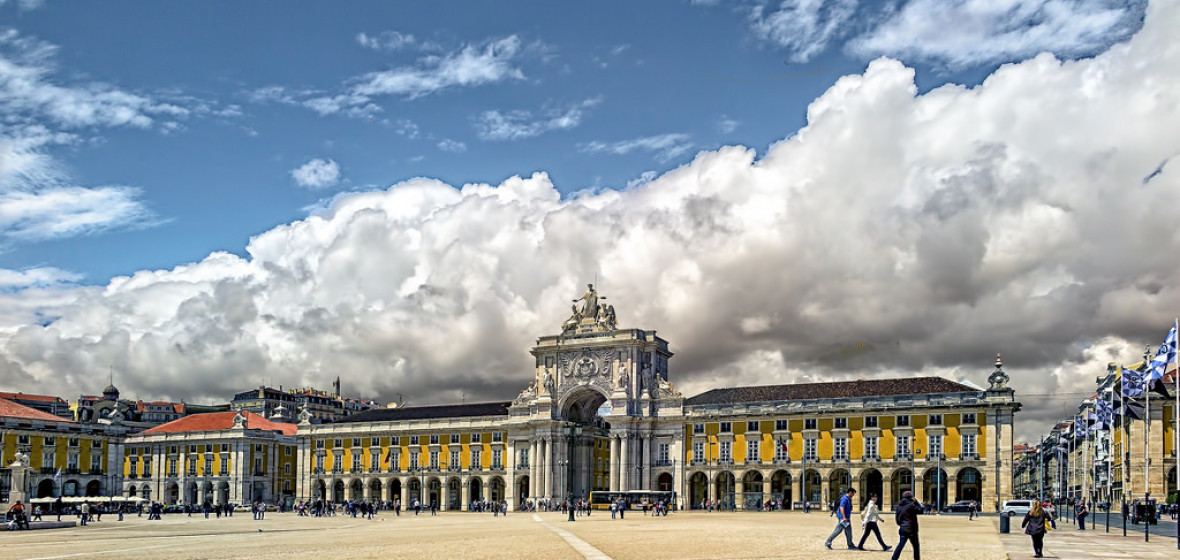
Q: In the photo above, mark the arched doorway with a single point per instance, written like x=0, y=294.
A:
x=579, y=409
x=934, y=488
x=223, y=493
x=319, y=490
x=813, y=488
x=752, y=497
x=780, y=487
x=871, y=484
x=356, y=490
x=475, y=490
x=395, y=490
x=132, y=491
x=970, y=485
x=698, y=490
x=664, y=482
x=455, y=494
x=375, y=490
x=839, y=481
x=901, y=480
x=190, y=494
x=146, y=493
x=497, y=489
x=338, y=491
x=93, y=488
x=522, y=488
x=434, y=492
x=70, y=488
x=725, y=485
x=207, y=493
x=45, y=489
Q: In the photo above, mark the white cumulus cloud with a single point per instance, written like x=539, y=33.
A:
x=317, y=174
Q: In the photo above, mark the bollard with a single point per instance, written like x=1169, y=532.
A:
x=1005, y=523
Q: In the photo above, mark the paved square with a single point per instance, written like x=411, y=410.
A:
x=680, y=536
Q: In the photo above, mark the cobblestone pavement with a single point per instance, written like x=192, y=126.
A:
x=1068, y=543
x=452, y=536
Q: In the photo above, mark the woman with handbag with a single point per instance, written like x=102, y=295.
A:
x=869, y=518
x=1036, y=523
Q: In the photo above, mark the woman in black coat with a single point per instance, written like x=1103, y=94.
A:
x=1034, y=526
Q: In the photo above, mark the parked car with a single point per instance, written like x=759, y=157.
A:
x=961, y=506
x=1014, y=508
x=1143, y=510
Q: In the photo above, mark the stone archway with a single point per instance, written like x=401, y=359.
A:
x=522, y=488
x=475, y=490
x=93, y=489
x=356, y=490
x=752, y=497
x=1170, y=482
x=871, y=484
x=935, y=489
x=207, y=493
x=780, y=487
x=319, y=490
x=45, y=488
x=698, y=490
x=455, y=494
x=664, y=482
x=839, y=481
x=223, y=493
x=725, y=485
x=70, y=488
x=375, y=490
x=132, y=491
x=901, y=480
x=338, y=492
x=970, y=485
x=496, y=489
x=813, y=488
x=415, y=487
x=434, y=492
x=580, y=403
x=395, y=490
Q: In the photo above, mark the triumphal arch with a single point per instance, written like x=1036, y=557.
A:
x=601, y=415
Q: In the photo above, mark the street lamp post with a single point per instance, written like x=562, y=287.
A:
x=938, y=483
x=573, y=430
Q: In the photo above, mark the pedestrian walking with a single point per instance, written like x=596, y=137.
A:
x=843, y=511
x=869, y=518
x=85, y=512
x=971, y=511
x=1036, y=523
x=908, y=510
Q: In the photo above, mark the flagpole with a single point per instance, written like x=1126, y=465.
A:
x=1146, y=426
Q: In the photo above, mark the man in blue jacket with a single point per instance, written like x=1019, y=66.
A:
x=844, y=520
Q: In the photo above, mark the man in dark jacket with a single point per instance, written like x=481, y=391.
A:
x=908, y=510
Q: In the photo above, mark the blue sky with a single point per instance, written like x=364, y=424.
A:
x=596, y=95
x=205, y=196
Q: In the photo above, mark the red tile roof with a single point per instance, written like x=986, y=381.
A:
x=214, y=421
x=28, y=397
x=10, y=409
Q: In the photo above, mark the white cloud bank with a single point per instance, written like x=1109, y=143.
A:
x=936, y=230
x=317, y=174
x=951, y=34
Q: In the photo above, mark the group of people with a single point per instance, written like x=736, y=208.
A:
x=906, y=517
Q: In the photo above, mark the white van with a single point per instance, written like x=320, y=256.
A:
x=1016, y=507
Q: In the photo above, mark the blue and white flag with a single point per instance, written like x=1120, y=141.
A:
x=1159, y=364
x=1105, y=415
x=1133, y=383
